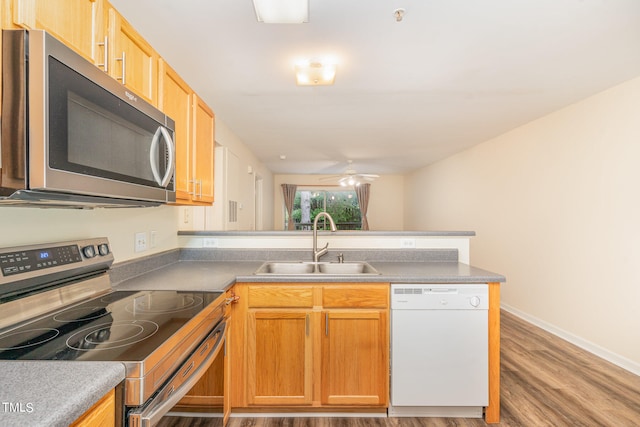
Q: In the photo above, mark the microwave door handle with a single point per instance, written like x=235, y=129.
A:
x=153, y=159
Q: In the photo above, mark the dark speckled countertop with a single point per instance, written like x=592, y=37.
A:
x=208, y=270
x=53, y=393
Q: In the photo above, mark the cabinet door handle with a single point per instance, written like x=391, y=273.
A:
x=105, y=58
x=306, y=324
x=124, y=68
x=326, y=324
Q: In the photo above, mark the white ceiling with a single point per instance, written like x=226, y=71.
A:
x=452, y=74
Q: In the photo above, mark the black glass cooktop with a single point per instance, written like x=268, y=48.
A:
x=120, y=326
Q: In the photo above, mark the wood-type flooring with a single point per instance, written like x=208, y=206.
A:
x=545, y=381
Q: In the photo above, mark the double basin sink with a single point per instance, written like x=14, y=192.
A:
x=316, y=268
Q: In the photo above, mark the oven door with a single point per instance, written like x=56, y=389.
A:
x=181, y=382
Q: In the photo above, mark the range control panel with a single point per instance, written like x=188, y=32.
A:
x=30, y=260
x=36, y=259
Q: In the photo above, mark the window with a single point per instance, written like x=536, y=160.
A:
x=341, y=204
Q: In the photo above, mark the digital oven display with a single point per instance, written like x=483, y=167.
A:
x=37, y=259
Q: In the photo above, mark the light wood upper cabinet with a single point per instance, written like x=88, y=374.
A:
x=94, y=29
x=175, y=100
x=203, y=152
x=80, y=24
x=194, y=137
x=132, y=60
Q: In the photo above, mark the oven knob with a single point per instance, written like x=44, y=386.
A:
x=103, y=249
x=89, y=251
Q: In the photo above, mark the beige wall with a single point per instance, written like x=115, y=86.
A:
x=25, y=226
x=556, y=208
x=386, y=201
x=241, y=184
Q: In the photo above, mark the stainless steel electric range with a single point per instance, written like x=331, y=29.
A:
x=56, y=303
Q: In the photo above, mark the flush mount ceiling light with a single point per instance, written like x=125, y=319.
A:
x=282, y=11
x=315, y=73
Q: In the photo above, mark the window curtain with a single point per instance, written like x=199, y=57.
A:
x=362, y=192
x=289, y=193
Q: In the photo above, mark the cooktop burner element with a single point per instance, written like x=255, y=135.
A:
x=42, y=335
x=112, y=335
x=80, y=314
x=159, y=304
x=123, y=325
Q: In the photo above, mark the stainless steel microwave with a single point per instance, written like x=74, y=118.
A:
x=73, y=136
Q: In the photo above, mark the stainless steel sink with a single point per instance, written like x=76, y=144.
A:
x=344, y=268
x=316, y=268
x=286, y=268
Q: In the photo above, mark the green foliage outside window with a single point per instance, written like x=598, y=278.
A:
x=342, y=205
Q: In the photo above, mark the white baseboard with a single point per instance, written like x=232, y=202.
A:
x=595, y=349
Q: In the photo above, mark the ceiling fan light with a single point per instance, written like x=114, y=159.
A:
x=282, y=11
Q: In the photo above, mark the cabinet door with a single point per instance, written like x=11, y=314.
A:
x=204, y=149
x=175, y=101
x=80, y=24
x=103, y=413
x=133, y=61
x=355, y=357
x=208, y=393
x=279, y=366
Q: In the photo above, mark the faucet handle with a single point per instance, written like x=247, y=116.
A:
x=340, y=257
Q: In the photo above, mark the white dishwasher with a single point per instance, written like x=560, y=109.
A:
x=439, y=350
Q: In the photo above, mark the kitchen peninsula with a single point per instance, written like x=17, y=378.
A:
x=228, y=261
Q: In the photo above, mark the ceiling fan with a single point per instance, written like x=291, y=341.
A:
x=352, y=178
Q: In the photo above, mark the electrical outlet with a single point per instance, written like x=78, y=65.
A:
x=153, y=238
x=141, y=241
x=186, y=215
x=408, y=243
x=210, y=243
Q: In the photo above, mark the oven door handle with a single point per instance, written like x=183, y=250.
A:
x=182, y=381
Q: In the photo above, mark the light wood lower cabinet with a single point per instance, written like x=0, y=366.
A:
x=279, y=357
x=102, y=414
x=311, y=345
x=354, y=357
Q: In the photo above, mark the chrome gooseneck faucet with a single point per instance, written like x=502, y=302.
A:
x=318, y=253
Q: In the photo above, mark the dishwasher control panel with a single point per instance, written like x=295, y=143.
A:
x=439, y=296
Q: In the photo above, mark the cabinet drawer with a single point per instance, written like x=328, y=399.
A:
x=280, y=296
x=352, y=295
